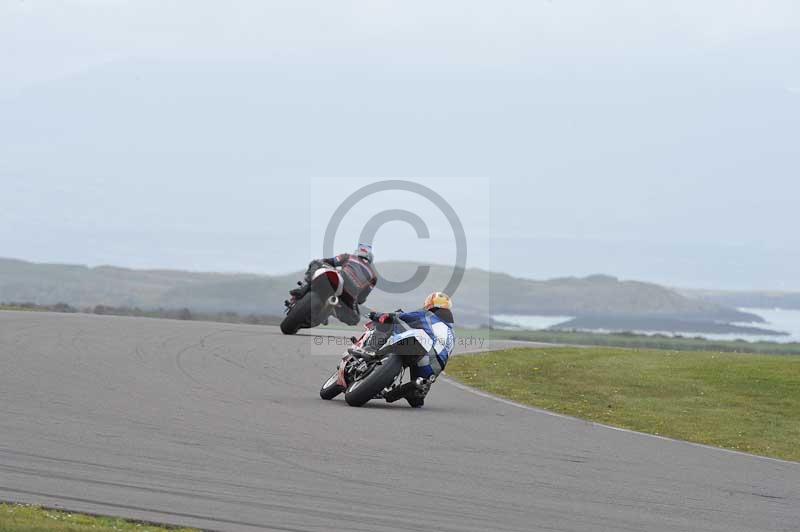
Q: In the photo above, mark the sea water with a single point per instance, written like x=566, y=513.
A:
x=782, y=320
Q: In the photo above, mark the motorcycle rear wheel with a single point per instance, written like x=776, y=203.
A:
x=300, y=314
x=362, y=390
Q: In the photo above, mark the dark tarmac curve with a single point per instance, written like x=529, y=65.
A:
x=220, y=426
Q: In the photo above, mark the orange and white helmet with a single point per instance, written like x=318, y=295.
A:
x=438, y=300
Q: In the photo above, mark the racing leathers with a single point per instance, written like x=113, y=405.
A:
x=424, y=335
x=359, y=280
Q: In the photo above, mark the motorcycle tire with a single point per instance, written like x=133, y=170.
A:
x=331, y=388
x=300, y=314
x=362, y=390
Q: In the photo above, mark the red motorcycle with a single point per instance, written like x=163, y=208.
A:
x=321, y=290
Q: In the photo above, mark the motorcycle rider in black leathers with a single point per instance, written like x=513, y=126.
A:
x=359, y=279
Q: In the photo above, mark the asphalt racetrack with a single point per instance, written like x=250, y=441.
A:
x=221, y=427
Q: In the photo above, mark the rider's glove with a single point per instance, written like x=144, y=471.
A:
x=380, y=317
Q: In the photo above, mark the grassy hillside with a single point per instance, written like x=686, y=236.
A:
x=752, y=299
x=82, y=286
x=602, y=295
x=481, y=293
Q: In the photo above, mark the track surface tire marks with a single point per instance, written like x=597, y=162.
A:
x=219, y=426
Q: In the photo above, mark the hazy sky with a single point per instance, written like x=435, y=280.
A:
x=650, y=140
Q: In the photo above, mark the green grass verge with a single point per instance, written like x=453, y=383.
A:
x=746, y=402
x=25, y=518
x=21, y=308
x=633, y=340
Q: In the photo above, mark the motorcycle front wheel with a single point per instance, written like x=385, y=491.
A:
x=331, y=388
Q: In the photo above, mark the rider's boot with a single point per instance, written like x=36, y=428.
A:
x=410, y=391
x=397, y=393
x=414, y=392
x=416, y=397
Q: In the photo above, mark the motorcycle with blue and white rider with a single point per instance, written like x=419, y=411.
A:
x=420, y=341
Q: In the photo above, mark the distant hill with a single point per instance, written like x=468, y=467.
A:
x=749, y=299
x=481, y=294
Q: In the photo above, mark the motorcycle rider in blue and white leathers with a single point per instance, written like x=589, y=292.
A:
x=426, y=334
